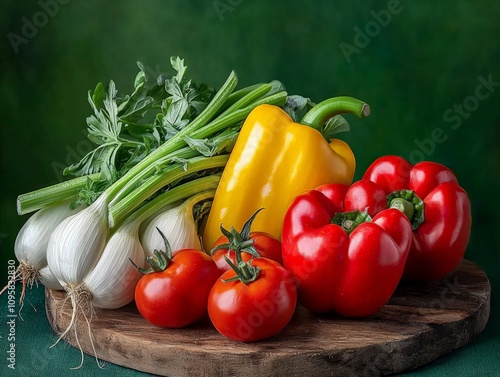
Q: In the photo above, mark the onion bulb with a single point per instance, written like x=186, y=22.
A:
x=179, y=226
x=97, y=272
x=31, y=243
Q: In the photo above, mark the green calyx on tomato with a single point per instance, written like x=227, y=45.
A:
x=160, y=259
x=245, y=272
x=239, y=241
x=350, y=220
x=410, y=204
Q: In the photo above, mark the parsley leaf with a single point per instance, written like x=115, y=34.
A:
x=104, y=129
x=126, y=129
x=185, y=102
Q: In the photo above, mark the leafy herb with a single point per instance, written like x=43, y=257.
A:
x=122, y=128
x=186, y=101
x=221, y=143
x=104, y=130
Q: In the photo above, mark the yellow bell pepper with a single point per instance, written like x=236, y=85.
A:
x=276, y=159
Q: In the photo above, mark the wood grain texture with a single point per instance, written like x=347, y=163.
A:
x=419, y=324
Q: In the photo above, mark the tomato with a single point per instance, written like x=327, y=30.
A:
x=248, y=243
x=177, y=296
x=265, y=244
x=256, y=309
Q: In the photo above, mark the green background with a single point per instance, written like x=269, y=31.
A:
x=415, y=70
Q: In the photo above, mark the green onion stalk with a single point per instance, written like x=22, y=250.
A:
x=171, y=162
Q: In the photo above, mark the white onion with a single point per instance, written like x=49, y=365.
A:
x=178, y=226
x=30, y=246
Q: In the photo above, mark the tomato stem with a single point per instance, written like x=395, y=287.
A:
x=160, y=259
x=245, y=272
x=239, y=241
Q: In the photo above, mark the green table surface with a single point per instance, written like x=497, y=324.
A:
x=34, y=337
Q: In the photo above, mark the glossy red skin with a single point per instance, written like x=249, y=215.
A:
x=177, y=297
x=360, y=195
x=255, y=311
x=353, y=275
x=439, y=243
x=266, y=245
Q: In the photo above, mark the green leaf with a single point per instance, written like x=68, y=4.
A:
x=92, y=190
x=134, y=156
x=114, y=126
x=104, y=130
x=221, y=143
x=151, y=78
x=186, y=101
x=93, y=162
x=97, y=98
x=182, y=161
x=125, y=129
x=148, y=94
x=296, y=106
x=335, y=125
x=200, y=145
x=276, y=87
x=201, y=209
x=178, y=64
x=199, y=97
x=140, y=78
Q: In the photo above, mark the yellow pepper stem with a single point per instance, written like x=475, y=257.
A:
x=323, y=111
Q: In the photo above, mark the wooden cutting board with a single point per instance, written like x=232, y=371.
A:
x=419, y=324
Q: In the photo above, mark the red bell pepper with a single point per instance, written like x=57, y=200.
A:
x=438, y=208
x=345, y=262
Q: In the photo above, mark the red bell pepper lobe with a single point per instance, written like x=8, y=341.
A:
x=343, y=262
x=438, y=208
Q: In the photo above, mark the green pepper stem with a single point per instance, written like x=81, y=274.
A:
x=348, y=221
x=323, y=111
x=410, y=204
x=404, y=206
